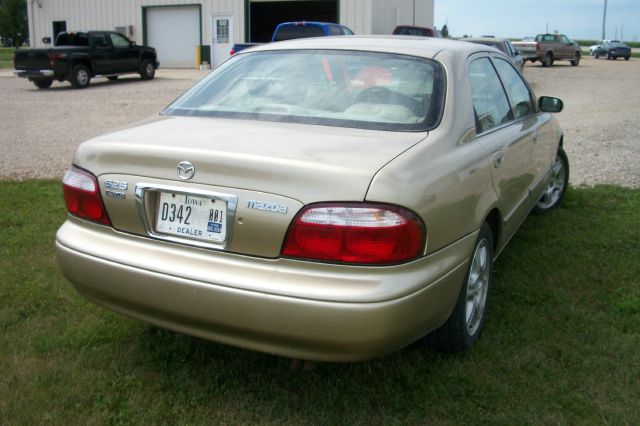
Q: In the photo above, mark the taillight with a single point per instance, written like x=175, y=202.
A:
x=232, y=52
x=355, y=233
x=54, y=57
x=82, y=196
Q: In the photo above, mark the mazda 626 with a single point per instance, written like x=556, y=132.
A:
x=325, y=199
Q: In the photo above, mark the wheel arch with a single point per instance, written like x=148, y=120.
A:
x=494, y=219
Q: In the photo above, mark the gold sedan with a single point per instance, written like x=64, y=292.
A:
x=327, y=199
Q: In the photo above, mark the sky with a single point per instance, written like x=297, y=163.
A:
x=578, y=19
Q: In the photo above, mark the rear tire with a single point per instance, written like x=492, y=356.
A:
x=147, y=69
x=626, y=58
x=557, y=186
x=463, y=327
x=548, y=60
x=80, y=77
x=43, y=84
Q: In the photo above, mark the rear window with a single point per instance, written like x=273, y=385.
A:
x=72, y=39
x=413, y=31
x=326, y=87
x=291, y=32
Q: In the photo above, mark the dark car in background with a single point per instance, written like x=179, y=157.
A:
x=410, y=30
x=613, y=50
x=503, y=45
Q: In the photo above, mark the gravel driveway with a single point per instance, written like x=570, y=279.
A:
x=41, y=128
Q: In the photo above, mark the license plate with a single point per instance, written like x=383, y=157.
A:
x=189, y=216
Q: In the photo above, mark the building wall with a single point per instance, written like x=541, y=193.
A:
x=357, y=15
x=109, y=14
x=362, y=16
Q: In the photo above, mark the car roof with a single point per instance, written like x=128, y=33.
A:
x=487, y=39
x=406, y=45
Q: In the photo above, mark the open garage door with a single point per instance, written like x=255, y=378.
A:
x=266, y=15
x=175, y=33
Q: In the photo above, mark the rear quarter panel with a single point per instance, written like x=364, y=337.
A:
x=446, y=178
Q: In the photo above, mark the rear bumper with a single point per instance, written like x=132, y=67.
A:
x=34, y=73
x=295, y=309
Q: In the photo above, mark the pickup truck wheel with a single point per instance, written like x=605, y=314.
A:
x=626, y=58
x=576, y=60
x=43, y=84
x=548, y=60
x=463, y=327
x=596, y=55
x=147, y=69
x=80, y=77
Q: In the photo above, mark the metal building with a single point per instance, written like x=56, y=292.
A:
x=184, y=30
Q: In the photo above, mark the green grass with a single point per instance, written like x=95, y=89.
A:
x=6, y=57
x=561, y=344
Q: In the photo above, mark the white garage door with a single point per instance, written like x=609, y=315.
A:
x=175, y=33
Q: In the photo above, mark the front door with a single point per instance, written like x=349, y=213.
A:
x=222, y=38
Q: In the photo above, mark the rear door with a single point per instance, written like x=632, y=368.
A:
x=102, y=53
x=508, y=141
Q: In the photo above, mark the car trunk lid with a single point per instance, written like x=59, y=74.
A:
x=272, y=170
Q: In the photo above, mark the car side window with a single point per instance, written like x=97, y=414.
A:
x=490, y=103
x=118, y=41
x=99, y=40
x=518, y=91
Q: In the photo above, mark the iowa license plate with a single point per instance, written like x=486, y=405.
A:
x=190, y=216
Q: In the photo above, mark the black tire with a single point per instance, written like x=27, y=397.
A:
x=112, y=77
x=548, y=60
x=43, y=84
x=597, y=55
x=459, y=333
x=609, y=57
x=626, y=58
x=80, y=77
x=147, y=69
x=576, y=60
x=557, y=186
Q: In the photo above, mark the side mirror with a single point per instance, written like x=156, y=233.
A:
x=550, y=104
x=133, y=43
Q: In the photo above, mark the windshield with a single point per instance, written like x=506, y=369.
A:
x=326, y=87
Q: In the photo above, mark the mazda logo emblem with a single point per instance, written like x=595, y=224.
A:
x=186, y=170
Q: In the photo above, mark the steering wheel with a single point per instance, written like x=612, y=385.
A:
x=382, y=95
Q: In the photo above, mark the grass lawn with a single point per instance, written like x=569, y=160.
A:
x=561, y=344
x=6, y=57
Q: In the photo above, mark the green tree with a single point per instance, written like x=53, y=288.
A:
x=13, y=21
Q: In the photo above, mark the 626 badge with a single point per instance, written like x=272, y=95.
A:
x=191, y=216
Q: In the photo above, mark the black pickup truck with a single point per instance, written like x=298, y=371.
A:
x=79, y=56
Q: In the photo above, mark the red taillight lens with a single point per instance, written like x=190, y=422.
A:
x=232, y=52
x=82, y=196
x=54, y=57
x=355, y=233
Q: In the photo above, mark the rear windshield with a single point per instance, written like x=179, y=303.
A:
x=72, y=39
x=326, y=87
x=413, y=31
x=291, y=32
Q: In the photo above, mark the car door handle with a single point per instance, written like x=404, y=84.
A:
x=497, y=158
